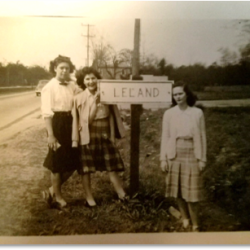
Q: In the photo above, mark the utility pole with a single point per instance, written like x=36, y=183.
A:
x=88, y=36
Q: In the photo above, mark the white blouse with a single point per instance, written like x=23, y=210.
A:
x=184, y=123
x=57, y=97
x=102, y=109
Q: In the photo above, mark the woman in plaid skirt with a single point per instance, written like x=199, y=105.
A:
x=94, y=130
x=183, y=153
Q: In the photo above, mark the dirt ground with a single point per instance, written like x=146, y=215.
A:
x=20, y=176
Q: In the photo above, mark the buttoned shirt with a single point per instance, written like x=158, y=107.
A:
x=184, y=124
x=57, y=97
x=102, y=109
x=80, y=112
x=176, y=123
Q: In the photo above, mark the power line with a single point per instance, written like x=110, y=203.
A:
x=88, y=36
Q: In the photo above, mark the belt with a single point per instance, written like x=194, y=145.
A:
x=62, y=113
x=186, y=138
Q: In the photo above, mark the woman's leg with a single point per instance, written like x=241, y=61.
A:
x=64, y=177
x=116, y=181
x=87, y=187
x=182, y=204
x=193, y=208
x=56, y=184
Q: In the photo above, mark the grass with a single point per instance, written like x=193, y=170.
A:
x=227, y=177
x=220, y=95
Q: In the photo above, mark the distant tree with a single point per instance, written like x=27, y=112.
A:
x=126, y=56
x=169, y=71
x=228, y=57
x=105, y=56
x=13, y=74
x=36, y=73
x=149, y=65
x=161, y=66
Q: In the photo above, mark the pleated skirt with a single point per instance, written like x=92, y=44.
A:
x=184, y=178
x=65, y=158
x=100, y=154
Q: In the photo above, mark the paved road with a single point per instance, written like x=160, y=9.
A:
x=15, y=107
x=18, y=112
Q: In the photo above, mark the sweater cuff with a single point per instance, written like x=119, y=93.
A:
x=74, y=144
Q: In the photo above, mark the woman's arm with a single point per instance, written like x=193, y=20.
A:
x=47, y=114
x=75, y=125
x=52, y=141
x=164, y=138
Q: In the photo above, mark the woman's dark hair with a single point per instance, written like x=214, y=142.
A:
x=191, y=97
x=57, y=61
x=80, y=75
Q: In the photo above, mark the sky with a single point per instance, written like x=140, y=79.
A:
x=184, y=33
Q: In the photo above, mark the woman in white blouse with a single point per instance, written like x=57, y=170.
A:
x=57, y=103
x=183, y=153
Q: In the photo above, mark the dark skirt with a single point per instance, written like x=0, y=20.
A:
x=100, y=154
x=65, y=158
x=184, y=178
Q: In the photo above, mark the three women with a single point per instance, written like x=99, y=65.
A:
x=80, y=121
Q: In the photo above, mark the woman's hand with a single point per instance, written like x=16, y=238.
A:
x=164, y=166
x=201, y=165
x=52, y=142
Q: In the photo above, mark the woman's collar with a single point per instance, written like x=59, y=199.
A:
x=187, y=110
x=63, y=83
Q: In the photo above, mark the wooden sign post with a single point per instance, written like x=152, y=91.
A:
x=136, y=92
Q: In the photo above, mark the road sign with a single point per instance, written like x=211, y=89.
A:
x=135, y=92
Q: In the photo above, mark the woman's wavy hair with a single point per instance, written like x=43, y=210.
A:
x=57, y=61
x=191, y=97
x=80, y=75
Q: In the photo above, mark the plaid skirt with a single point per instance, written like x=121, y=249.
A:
x=65, y=158
x=184, y=178
x=100, y=154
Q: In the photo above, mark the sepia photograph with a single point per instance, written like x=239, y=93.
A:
x=124, y=122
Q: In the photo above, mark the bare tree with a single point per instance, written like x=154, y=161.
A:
x=105, y=56
x=228, y=57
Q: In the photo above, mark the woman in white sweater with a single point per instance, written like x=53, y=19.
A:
x=183, y=153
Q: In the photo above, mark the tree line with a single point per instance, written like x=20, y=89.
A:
x=17, y=74
x=229, y=71
x=200, y=76
x=197, y=75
